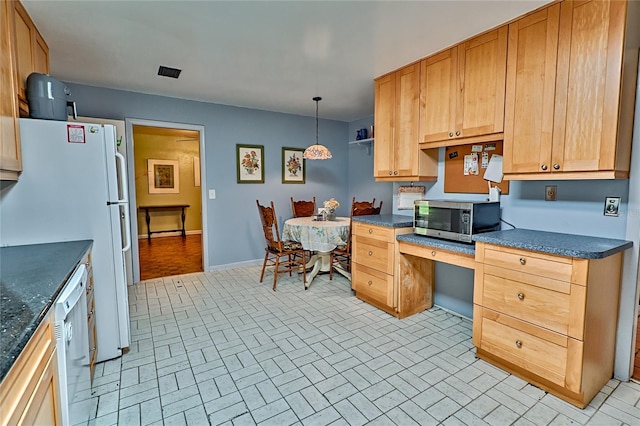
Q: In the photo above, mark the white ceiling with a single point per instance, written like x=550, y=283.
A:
x=270, y=55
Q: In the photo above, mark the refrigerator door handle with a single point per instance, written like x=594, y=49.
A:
x=123, y=178
x=127, y=230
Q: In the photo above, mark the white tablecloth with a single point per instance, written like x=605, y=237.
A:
x=314, y=235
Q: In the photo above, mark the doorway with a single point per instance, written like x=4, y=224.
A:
x=166, y=184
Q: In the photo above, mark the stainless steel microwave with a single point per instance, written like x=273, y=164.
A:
x=455, y=220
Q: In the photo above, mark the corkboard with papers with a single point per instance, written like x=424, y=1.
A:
x=464, y=167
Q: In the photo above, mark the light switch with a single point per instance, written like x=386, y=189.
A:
x=212, y=194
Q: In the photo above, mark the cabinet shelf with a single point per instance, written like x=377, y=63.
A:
x=367, y=143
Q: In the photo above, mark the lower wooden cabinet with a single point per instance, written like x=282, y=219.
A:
x=29, y=392
x=91, y=316
x=548, y=319
x=375, y=275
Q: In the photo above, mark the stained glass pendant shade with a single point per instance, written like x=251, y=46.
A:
x=317, y=151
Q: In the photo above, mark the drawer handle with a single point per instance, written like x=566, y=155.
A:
x=433, y=253
x=518, y=344
x=369, y=282
x=521, y=296
x=370, y=253
x=93, y=349
x=523, y=260
x=370, y=231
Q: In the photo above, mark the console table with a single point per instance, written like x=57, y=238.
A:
x=164, y=207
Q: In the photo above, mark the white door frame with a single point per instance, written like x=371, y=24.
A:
x=130, y=122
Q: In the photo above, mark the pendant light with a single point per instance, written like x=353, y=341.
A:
x=317, y=151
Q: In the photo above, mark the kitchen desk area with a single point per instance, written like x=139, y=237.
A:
x=31, y=279
x=544, y=304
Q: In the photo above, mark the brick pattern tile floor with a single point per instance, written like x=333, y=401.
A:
x=220, y=348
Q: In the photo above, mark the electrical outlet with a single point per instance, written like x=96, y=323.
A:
x=550, y=192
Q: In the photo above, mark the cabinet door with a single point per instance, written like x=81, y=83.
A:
x=24, y=34
x=9, y=128
x=385, y=94
x=482, y=64
x=406, y=121
x=588, y=85
x=40, y=54
x=531, y=78
x=438, y=96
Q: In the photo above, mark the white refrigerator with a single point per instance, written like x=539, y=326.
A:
x=73, y=187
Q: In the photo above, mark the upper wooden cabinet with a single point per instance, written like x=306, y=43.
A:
x=571, y=82
x=462, y=92
x=10, y=161
x=397, y=155
x=30, y=50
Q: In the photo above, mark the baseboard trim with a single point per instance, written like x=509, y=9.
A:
x=256, y=262
x=170, y=234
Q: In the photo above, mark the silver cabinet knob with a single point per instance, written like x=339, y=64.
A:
x=390, y=172
x=458, y=133
x=518, y=344
x=543, y=167
x=521, y=296
x=369, y=282
x=523, y=260
x=556, y=166
x=433, y=253
x=370, y=253
x=370, y=231
x=450, y=134
x=395, y=172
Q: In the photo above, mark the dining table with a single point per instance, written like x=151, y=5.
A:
x=320, y=236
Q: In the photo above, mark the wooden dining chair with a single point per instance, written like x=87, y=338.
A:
x=342, y=254
x=364, y=208
x=303, y=208
x=276, y=248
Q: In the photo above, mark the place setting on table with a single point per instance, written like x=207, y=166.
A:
x=321, y=233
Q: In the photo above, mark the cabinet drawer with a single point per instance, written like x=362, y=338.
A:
x=375, y=254
x=539, y=351
x=552, y=304
x=373, y=285
x=376, y=232
x=555, y=267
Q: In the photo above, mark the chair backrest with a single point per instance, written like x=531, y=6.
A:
x=364, y=208
x=303, y=208
x=270, y=226
x=361, y=204
x=368, y=210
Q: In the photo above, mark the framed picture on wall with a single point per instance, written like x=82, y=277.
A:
x=293, y=165
x=250, y=163
x=164, y=176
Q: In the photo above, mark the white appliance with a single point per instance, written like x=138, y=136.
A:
x=72, y=344
x=73, y=187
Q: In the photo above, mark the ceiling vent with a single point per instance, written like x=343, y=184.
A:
x=169, y=72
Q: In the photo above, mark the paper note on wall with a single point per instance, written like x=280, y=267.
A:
x=471, y=164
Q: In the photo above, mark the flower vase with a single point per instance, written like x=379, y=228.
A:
x=331, y=215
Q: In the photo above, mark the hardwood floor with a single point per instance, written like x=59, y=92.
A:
x=166, y=256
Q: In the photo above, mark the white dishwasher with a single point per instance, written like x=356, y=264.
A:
x=72, y=344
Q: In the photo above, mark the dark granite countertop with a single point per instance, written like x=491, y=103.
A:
x=438, y=243
x=31, y=278
x=388, y=220
x=580, y=246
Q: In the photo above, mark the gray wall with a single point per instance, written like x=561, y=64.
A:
x=362, y=185
x=235, y=233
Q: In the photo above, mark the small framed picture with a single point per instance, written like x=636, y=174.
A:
x=164, y=176
x=293, y=165
x=250, y=163
x=611, y=206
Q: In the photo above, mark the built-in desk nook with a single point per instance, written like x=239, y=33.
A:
x=545, y=304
